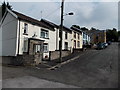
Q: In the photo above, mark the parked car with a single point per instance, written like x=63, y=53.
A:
x=109, y=42
x=100, y=46
x=106, y=45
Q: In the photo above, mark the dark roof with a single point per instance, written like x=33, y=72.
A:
x=32, y=20
x=76, y=29
x=49, y=23
x=67, y=29
x=54, y=25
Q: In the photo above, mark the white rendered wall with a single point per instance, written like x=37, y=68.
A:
x=9, y=36
x=37, y=29
x=80, y=40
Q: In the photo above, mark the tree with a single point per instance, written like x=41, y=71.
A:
x=4, y=6
x=93, y=28
x=84, y=29
x=112, y=34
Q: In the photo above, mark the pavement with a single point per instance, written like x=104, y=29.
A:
x=56, y=62
x=90, y=69
x=33, y=82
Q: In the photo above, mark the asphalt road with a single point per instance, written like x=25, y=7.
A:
x=93, y=69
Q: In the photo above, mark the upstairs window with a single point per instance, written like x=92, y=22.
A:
x=74, y=34
x=78, y=36
x=25, y=28
x=44, y=33
x=66, y=35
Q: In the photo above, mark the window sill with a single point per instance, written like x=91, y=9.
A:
x=44, y=37
x=25, y=34
x=45, y=52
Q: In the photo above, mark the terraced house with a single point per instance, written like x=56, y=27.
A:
x=77, y=39
x=26, y=38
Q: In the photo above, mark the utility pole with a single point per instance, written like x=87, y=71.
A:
x=61, y=31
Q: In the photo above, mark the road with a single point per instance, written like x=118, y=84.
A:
x=93, y=69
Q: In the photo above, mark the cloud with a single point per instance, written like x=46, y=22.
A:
x=101, y=15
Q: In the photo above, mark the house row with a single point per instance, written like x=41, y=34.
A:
x=29, y=40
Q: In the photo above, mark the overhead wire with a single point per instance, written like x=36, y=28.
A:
x=52, y=12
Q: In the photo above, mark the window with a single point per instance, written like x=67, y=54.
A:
x=74, y=34
x=78, y=36
x=25, y=28
x=25, y=46
x=44, y=33
x=37, y=48
x=66, y=45
x=66, y=35
x=74, y=43
x=78, y=43
x=45, y=47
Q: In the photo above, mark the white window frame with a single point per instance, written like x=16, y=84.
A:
x=46, y=33
x=25, y=28
x=47, y=49
x=25, y=46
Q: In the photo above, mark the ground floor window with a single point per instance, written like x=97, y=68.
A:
x=66, y=45
x=37, y=48
x=74, y=43
x=78, y=43
x=25, y=47
x=45, y=47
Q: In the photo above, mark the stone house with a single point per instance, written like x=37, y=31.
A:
x=97, y=36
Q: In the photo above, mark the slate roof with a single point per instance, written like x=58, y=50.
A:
x=32, y=20
x=76, y=29
x=55, y=25
x=49, y=23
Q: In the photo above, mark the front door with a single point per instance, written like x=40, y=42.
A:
x=36, y=49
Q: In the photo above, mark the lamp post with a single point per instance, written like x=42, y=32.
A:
x=61, y=29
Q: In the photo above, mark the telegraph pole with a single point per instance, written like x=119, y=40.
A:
x=61, y=31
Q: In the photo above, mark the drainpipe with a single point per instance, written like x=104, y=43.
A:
x=19, y=38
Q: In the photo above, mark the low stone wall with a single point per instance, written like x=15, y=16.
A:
x=5, y=59
x=55, y=54
x=20, y=60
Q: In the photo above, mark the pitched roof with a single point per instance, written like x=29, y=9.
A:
x=49, y=23
x=67, y=29
x=76, y=29
x=54, y=25
x=32, y=20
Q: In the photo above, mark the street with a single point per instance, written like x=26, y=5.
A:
x=93, y=69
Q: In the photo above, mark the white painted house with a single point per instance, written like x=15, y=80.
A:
x=66, y=36
x=77, y=39
x=66, y=39
x=24, y=35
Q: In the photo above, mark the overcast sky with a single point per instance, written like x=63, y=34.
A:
x=96, y=13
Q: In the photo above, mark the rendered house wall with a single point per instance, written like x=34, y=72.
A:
x=9, y=35
x=34, y=29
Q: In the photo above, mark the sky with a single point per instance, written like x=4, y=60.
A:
x=100, y=14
